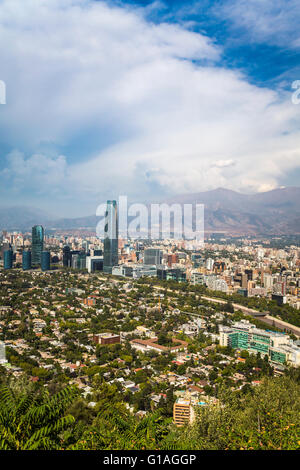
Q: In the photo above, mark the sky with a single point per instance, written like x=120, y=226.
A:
x=146, y=99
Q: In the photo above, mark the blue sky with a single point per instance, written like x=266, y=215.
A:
x=267, y=55
x=146, y=99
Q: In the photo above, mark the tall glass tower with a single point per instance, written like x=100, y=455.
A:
x=111, y=236
x=67, y=257
x=26, y=260
x=37, y=245
x=45, y=264
x=8, y=259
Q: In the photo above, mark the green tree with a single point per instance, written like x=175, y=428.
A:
x=33, y=421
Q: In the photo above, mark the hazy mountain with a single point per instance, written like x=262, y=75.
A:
x=272, y=212
x=21, y=218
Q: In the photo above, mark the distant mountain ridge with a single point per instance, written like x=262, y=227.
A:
x=21, y=218
x=274, y=212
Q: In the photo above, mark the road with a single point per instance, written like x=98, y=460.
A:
x=262, y=316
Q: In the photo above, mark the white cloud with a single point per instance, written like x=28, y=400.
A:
x=276, y=22
x=223, y=163
x=42, y=173
x=169, y=116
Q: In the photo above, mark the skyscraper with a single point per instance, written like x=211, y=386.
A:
x=111, y=235
x=26, y=260
x=67, y=257
x=45, y=261
x=8, y=259
x=79, y=260
x=37, y=244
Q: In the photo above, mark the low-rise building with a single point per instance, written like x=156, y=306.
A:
x=106, y=338
x=245, y=336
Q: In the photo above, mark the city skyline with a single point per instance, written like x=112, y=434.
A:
x=224, y=211
x=149, y=228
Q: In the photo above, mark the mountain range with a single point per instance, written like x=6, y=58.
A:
x=275, y=212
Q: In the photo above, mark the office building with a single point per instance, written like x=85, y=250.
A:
x=171, y=274
x=79, y=260
x=98, y=252
x=244, y=335
x=134, y=270
x=26, y=260
x=152, y=256
x=197, y=260
x=8, y=259
x=45, y=261
x=94, y=263
x=111, y=235
x=267, y=281
x=37, y=245
x=197, y=278
x=67, y=257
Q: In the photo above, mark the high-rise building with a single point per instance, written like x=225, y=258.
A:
x=173, y=258
x=111, y=235
x=5, y=247
x=183, y=412
x=79, y=260
x=37, y=245
x=67, y=257
x=45, y=261
x=279, y=288
x=152, y=256
x=26, y=260
x=209, y=264
x=8, y=259
x=243, y=280
x=268, y=280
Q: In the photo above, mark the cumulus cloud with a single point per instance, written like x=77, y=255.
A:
x=160, y=110
x=38, y=172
